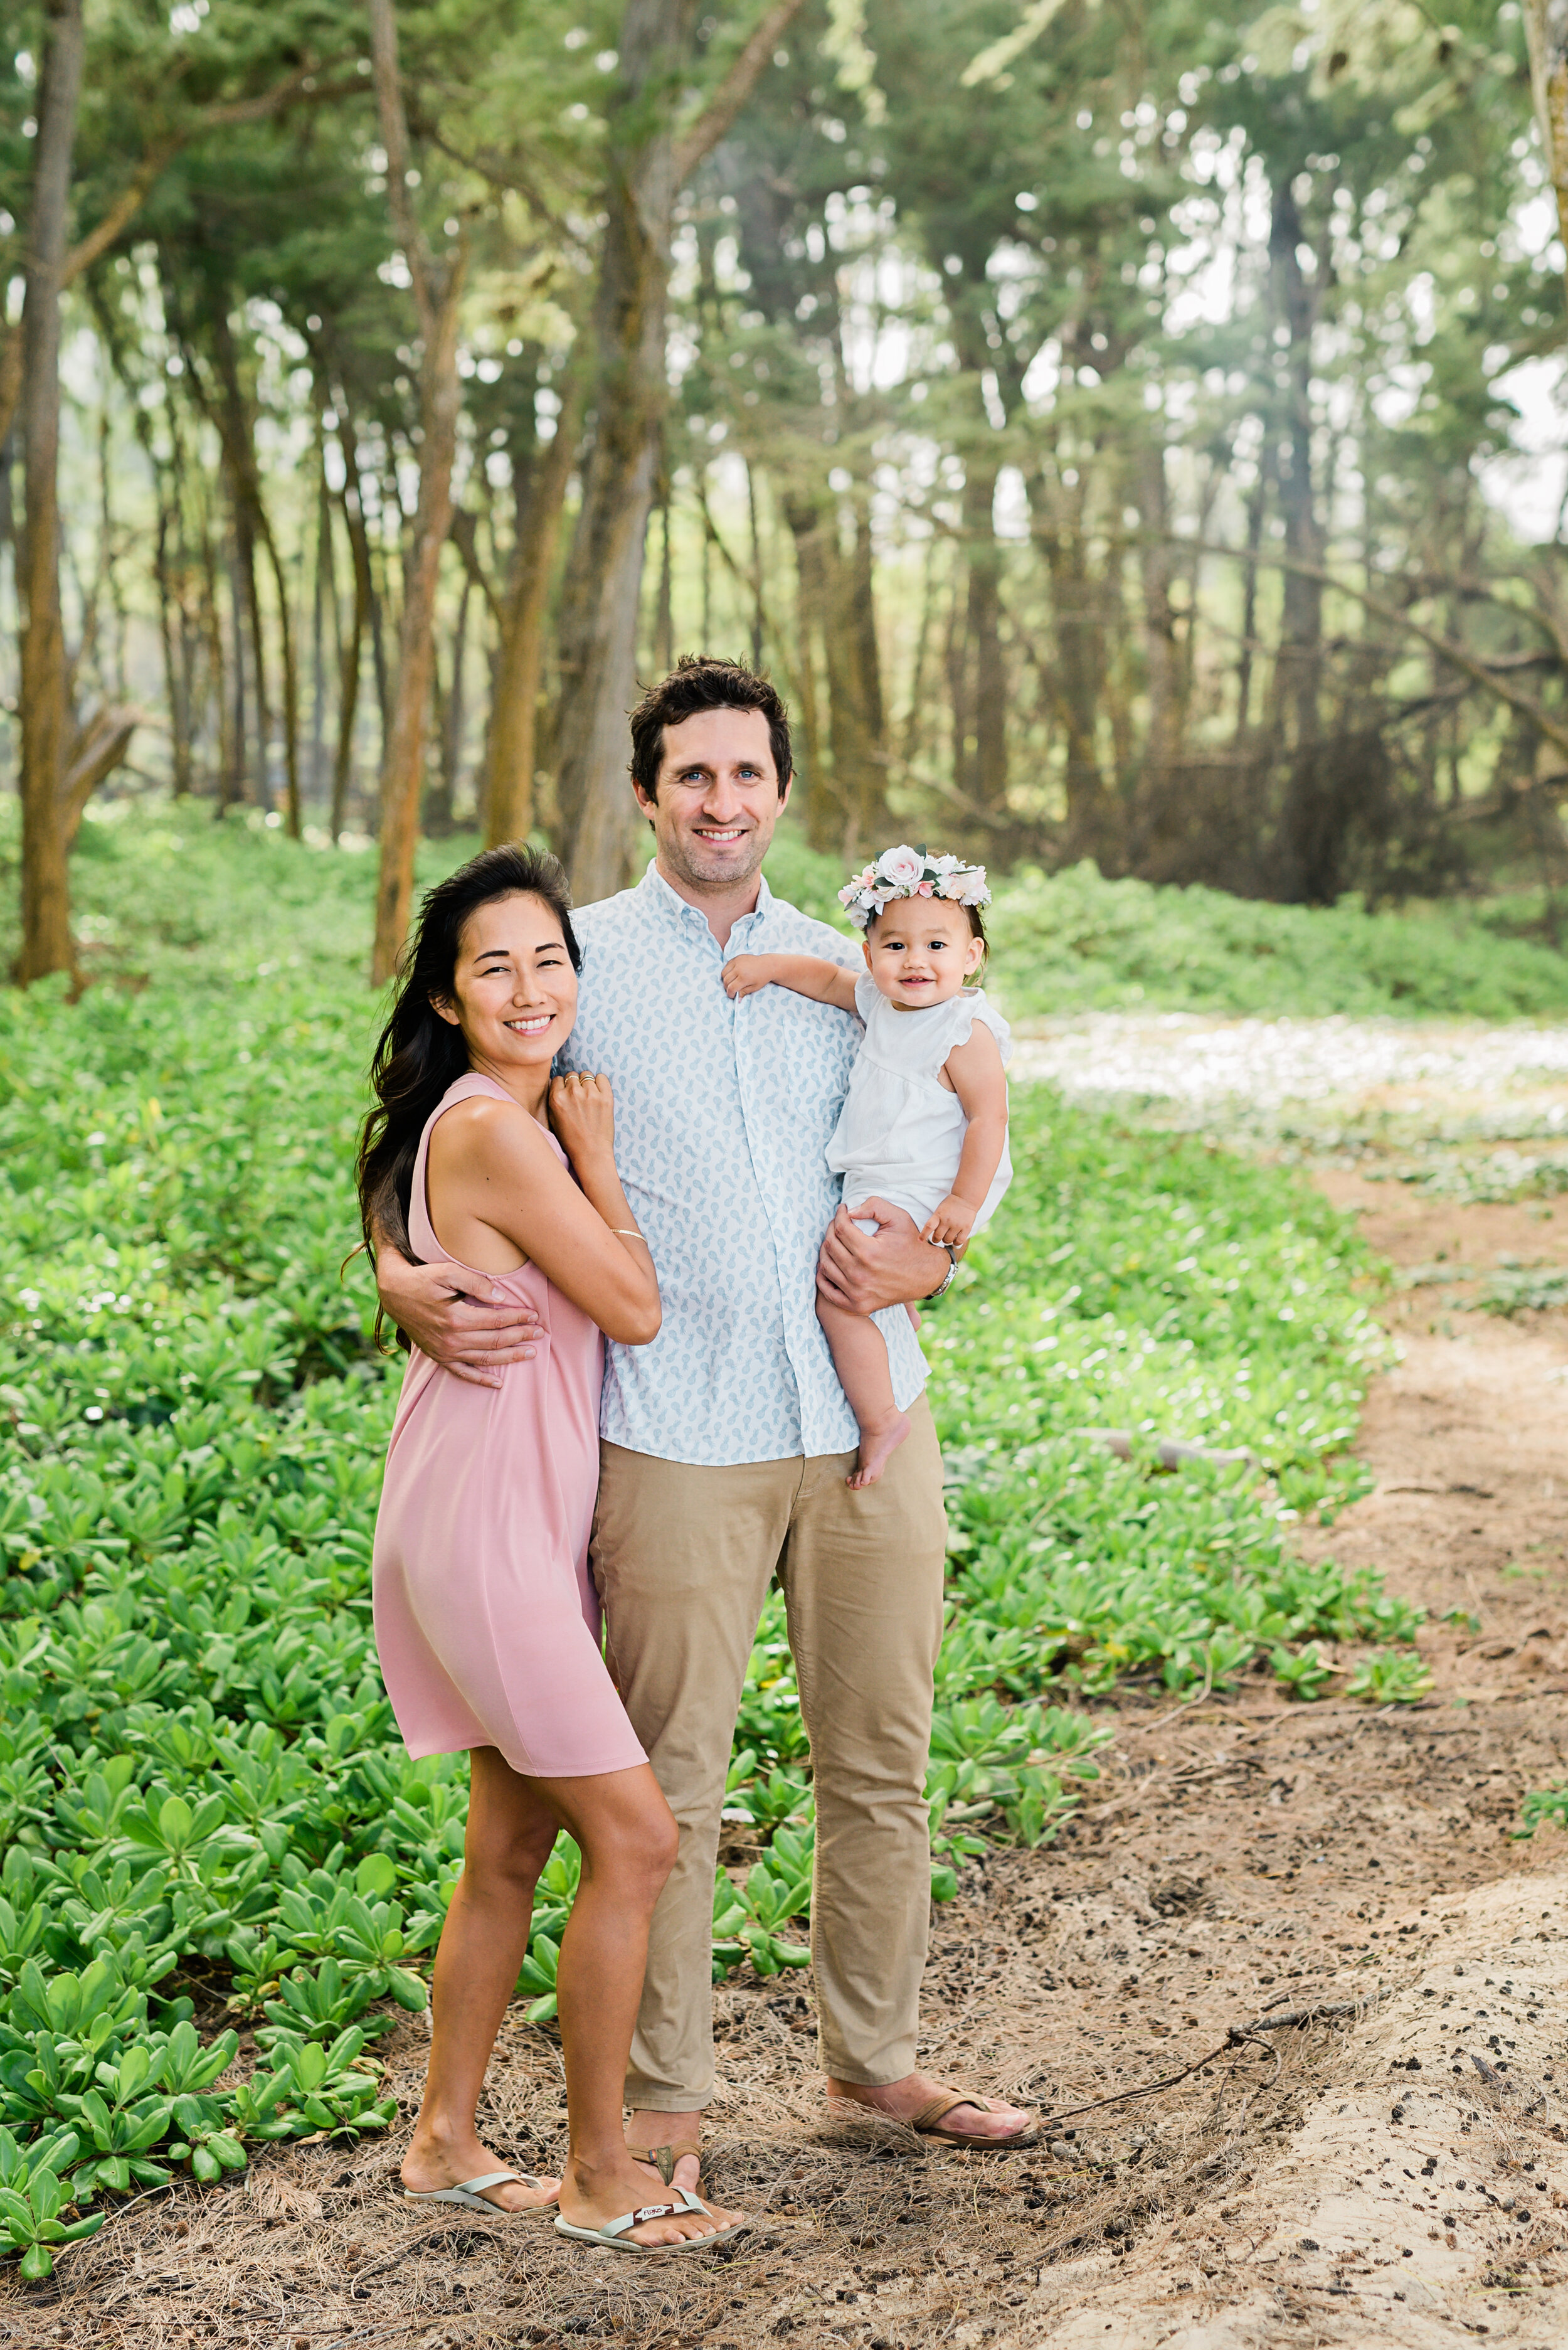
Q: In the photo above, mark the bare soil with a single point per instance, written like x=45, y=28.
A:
x=1394, y=2170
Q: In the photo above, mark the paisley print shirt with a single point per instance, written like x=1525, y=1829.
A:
x=722, y=1113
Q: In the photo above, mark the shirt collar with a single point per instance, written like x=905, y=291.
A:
x=673, y=907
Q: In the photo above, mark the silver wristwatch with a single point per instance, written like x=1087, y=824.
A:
x=946, y=1282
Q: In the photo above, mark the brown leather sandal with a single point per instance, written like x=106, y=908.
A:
x=663, y=2158
x=926, y=2121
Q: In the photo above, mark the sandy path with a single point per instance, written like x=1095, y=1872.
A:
x=1245, y=1854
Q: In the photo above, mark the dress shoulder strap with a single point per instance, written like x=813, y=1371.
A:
x=422, y=1232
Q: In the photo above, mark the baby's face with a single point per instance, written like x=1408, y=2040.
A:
x=919, y=951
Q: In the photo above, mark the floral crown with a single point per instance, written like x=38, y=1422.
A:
x=909, y=873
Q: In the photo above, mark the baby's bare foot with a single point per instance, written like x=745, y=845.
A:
x=877, y=1446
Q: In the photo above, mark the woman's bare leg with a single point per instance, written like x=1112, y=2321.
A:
x=511, y=1830
x=627, y=1837
x=860, y=1358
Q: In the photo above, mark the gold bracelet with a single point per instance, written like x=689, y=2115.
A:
x=629, y=1236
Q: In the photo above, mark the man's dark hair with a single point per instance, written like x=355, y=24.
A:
x=703, y=682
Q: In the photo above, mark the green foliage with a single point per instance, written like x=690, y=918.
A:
x=1549, y=1804
x=1390, y=1678
x=199, y=1772
x=32, y=2197
x=1518, y=1288
x=1076, y=942
x=1072, y=941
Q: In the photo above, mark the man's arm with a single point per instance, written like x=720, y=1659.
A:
x=891, y=1266
x=472, y=1333
x=813, y=975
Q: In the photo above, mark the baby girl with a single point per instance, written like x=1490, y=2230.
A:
x=924, y=1124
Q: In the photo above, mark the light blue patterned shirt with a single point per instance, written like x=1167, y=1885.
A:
x=722, y=1113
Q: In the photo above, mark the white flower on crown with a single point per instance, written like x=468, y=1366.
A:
x=906, y=872
x=904, y=867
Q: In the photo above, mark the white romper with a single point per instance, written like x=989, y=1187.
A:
x=901, y=1132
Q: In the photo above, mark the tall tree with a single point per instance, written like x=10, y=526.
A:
x=647, y=161
x=437, y=284
x=46, y=710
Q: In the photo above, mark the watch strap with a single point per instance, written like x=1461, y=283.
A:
x=946, y=1282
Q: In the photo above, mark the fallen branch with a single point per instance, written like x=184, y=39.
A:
x=1170, y=1451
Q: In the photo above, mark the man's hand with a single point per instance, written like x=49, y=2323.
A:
x=469, y=1333
x=863, y=1271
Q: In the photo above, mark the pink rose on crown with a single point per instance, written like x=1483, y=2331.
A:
x=903, y=866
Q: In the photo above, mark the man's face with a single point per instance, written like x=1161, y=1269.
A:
x=718, y=799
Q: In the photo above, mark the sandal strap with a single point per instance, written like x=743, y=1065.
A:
x=493, y=2179
x=664, y=2158
x=928, y=2116
x=630, y=2219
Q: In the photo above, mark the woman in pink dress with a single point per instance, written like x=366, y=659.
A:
x=487, y=1624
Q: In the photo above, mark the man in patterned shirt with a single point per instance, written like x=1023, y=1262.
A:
x=726, y=1442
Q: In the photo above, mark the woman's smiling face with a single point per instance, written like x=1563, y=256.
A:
x=515, y=992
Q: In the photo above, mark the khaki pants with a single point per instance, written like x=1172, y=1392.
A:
x=683, y=1557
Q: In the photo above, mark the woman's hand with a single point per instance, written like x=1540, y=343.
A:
x=581, y=1113
x=952, y=1220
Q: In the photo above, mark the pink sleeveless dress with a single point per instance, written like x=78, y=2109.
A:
x=487, y=1623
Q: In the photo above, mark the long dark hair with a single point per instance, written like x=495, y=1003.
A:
x=419, y=1054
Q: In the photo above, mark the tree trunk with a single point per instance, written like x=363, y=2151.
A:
x=1162, y=667
x=290, y=684
x=824, y=807
x=980, y=708
x=600, y=598
x=324, y=597
x=512, y=749
x=47, y=944
x=348, y=692
x=602, y=594
x=1294, y=712
x=440, y=817
x=1546, y=31
x=438, y=290
x=855, y=687
x=1076, y=678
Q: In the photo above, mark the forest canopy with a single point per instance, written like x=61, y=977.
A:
x=1101, y=420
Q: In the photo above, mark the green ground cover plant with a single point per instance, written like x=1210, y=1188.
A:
x=204, y=1808
x=1072, y=941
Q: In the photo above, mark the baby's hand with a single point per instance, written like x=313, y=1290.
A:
x=744, y=974
x=953, y=1221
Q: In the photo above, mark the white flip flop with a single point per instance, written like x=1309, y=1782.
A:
x=467, y=2194
x=615, y=2235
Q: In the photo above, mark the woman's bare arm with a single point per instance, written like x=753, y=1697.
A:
x=813, y=975
x=502, y=1175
